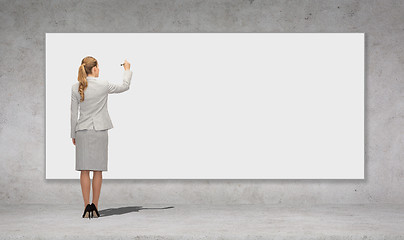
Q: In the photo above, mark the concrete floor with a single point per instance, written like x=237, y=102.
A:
x=203, y=222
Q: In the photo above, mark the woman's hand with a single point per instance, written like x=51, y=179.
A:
x=126, y=65
x=74, y=141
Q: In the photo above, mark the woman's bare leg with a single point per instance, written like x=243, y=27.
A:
x=97, y=181
x=85, y=186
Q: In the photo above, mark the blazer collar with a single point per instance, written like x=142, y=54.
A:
x=90, y=77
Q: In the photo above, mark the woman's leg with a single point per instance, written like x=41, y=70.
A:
x=85, y=186
x=97, y=181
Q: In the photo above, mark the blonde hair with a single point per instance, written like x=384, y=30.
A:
x=85, y=68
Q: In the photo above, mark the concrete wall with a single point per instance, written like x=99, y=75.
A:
x=22, y=73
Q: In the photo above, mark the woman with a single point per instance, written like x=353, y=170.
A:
x=89, y=133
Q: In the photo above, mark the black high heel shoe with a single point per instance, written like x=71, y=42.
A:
x=94, y=210
x=87, y=212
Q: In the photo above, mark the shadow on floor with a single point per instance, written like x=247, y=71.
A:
x=122, y=210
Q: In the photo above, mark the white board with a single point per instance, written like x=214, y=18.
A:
x=217, y=105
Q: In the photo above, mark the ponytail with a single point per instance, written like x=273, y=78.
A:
x=82, y=78
x=85, y=68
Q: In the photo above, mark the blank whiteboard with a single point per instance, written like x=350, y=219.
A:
x=216, y=105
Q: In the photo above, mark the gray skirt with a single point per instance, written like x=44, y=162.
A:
x=92, y=150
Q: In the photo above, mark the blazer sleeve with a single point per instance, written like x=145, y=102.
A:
x=118, y=88
x=73, y=113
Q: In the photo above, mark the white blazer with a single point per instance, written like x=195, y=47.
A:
x=94, y=109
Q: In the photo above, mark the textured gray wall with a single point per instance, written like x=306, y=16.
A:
x=22, y=116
